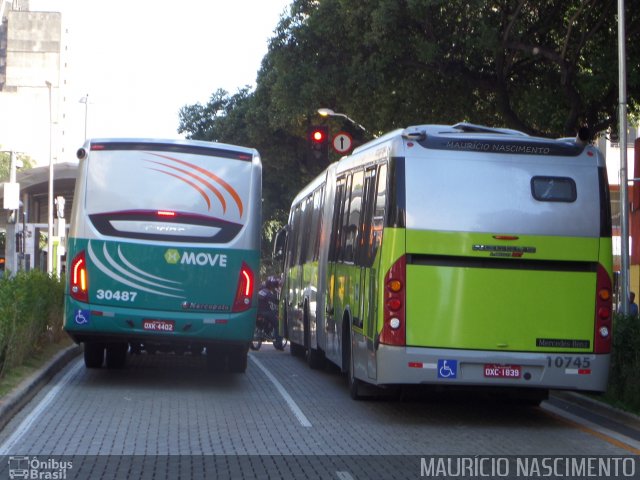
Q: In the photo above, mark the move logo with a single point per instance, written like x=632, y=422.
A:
x=172, y=256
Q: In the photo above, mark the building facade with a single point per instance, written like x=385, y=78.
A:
x=33, y=82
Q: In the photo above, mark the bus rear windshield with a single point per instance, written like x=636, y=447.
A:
x=158, y=193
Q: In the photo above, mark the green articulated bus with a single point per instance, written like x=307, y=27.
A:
x=460, y=256
x=164, y=250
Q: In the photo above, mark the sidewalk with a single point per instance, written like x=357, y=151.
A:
x=28, y=388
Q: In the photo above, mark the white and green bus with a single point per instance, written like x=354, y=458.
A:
x=455, y=256
x=163, y=250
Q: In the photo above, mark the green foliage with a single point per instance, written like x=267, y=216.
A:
x=624, y=380
x=31, y=315
x=543, y=67
x=5, y=164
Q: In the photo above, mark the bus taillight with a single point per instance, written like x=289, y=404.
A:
x=78, y=279
x=394, y=327
x=244, y=292
x=603, y=313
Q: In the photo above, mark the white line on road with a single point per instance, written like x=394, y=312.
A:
x=15, y=437
x=304, y=421
x=344, y=475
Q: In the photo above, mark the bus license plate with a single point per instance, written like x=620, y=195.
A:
x=159, y=325
x=502, y=371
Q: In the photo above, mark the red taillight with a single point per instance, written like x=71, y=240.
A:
x=603, y=313
x=165, y=213
x=394, y=326
x=244, y=292
x=78, y=279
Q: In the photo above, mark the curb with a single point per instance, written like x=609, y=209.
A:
x=28, y=388
x=629, y=419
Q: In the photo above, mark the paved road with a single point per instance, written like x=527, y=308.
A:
x=166, y=415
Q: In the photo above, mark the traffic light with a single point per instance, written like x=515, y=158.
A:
x=318, y=141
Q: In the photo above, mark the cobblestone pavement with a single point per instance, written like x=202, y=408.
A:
x=167, y=416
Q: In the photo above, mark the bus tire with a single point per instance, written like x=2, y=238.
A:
x=216, y=358
x=117, y=355
x=237, y=358
x=296, y=350
x=315, y=358
x=353, y=383
x=93, y=354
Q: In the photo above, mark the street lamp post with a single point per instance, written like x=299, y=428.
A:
x=50, y=200
x=327, y=112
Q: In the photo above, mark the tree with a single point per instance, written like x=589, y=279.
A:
x=544, y=67
x=5, y=163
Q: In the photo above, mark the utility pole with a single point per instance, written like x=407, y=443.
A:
x=624, y=177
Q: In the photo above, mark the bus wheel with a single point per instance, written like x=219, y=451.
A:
x=93, y=354
x=352, y=381
x=216, y=358
x=315, y=358
x=533, y=397
x=117, y=355
x=237, y=357
x=296, y=350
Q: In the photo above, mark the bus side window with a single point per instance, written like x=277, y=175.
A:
x=334, y=248
x=353, y=219
x=379, y=213
x=306, y=242
x=316, y=226
x=368, y=203
x=292, y=243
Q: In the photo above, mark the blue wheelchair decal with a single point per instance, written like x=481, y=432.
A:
x=82, y=317
x=447, y=368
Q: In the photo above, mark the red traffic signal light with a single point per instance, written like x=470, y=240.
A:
x=318, y=134
x=318, y=143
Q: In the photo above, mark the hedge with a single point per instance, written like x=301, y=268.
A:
x=31, y=315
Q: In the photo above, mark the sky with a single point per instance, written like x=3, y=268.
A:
x=140, y=61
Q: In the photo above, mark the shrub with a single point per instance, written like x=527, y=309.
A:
x=624, y=378
x=31, y=315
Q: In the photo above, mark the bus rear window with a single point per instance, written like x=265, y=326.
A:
x=553, y=189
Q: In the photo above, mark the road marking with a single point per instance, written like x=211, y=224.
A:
x=304, y=421
x=614, y=438
x=24, y=427
x=344, y=476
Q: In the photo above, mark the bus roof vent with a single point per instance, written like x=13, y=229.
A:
x=415, y=135
x=472, y=128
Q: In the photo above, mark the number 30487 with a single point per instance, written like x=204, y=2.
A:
x=117, y=295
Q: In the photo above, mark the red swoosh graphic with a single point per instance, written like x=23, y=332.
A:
x=194, y=176
x=212, y=176
x=197, y=187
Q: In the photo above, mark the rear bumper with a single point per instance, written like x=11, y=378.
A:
x=418, y=365
x=84, y=322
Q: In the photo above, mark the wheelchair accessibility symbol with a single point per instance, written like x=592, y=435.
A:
x=447, y=368
x=82, y=317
